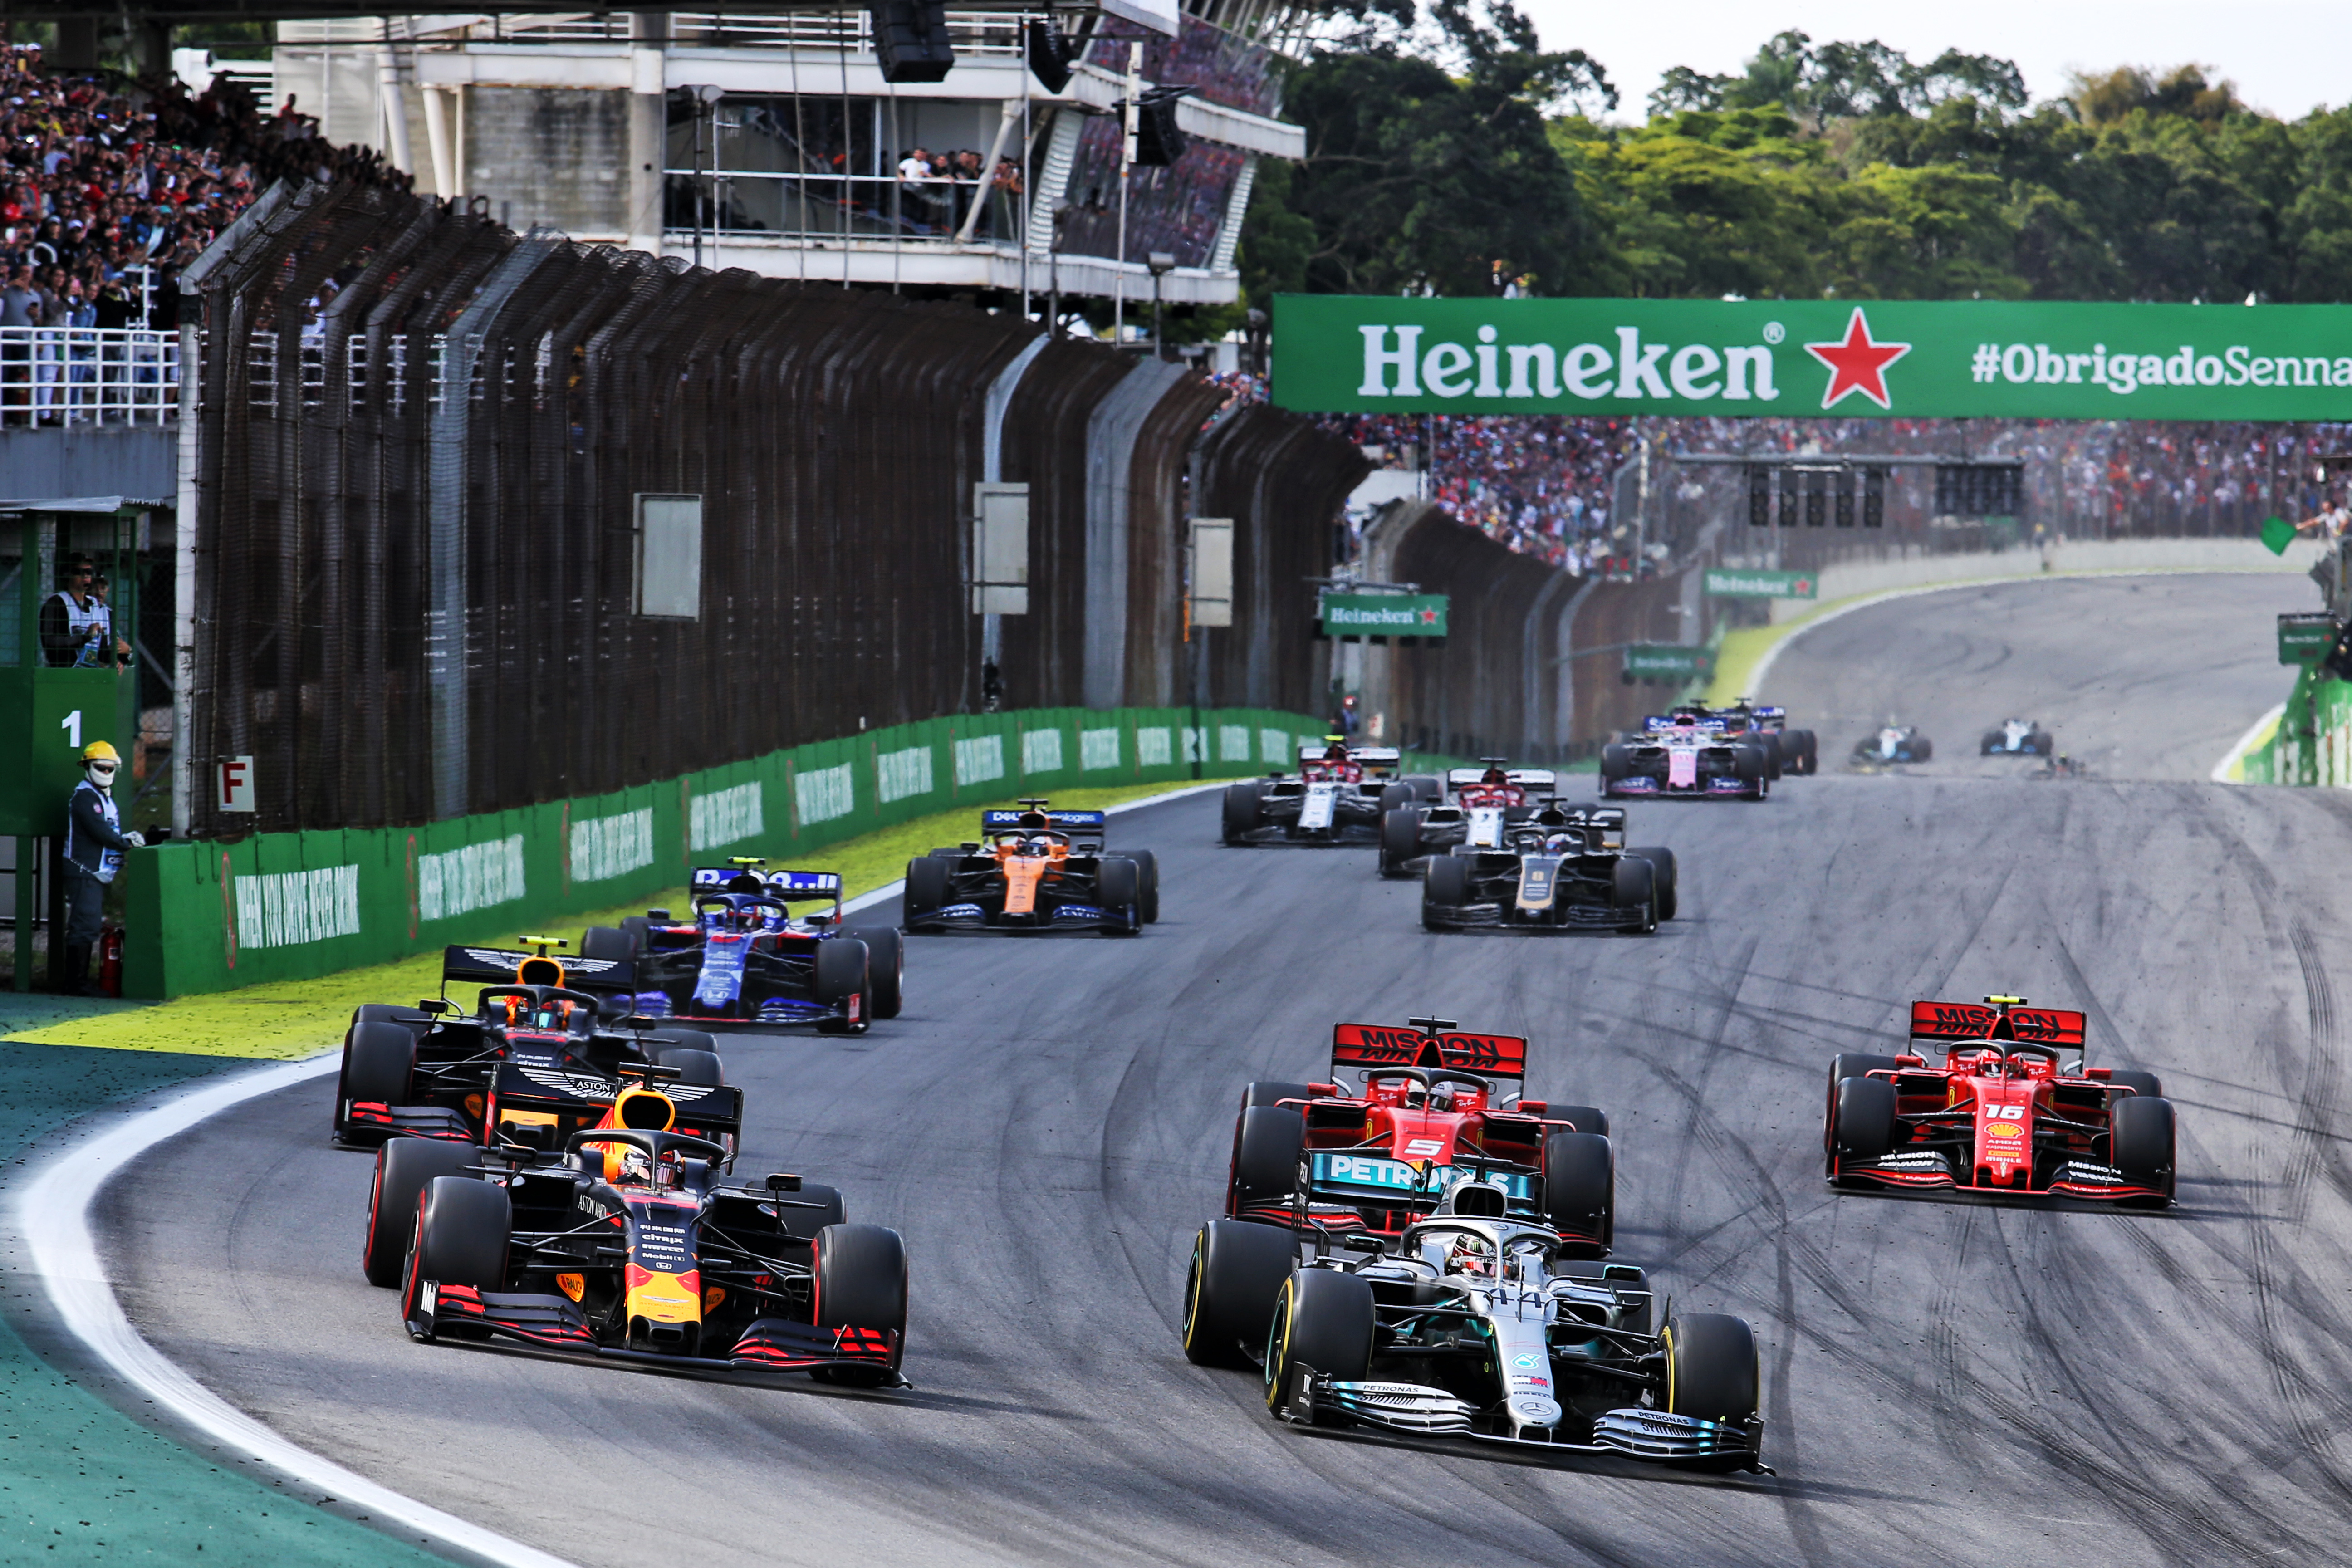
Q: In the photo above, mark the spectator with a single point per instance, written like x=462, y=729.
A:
x=74, y=619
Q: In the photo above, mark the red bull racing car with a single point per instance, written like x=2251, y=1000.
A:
x=622, y=1240
x=1338, y=796
x=1688, y=753
x=2010, y=1112
x=1424, y=1257
x=1034, y=870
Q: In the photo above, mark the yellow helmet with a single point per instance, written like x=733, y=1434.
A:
x=99, y=752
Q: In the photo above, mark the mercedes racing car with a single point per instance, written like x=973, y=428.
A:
x=535, y=1052
x=746, y=958
x=1894, y=743
x=622, y=1240
x=2011, y=1112
x=2017, y=738
x=1426, y=1257
x=1477, y=805
x=1690, y=753
x=1034, y=870
x=1563, y=869
x=1339, y=796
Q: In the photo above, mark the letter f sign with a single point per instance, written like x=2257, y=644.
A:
x=1378, y=357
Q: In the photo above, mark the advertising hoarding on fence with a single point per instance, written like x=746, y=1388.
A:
x=1734, y=583
x=1667, y=661
x=1790, y=358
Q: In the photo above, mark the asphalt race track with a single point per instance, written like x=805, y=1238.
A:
x=1945, y=1381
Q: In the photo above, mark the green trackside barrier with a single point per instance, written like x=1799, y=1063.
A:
x=211, y=916
x=2313, y=743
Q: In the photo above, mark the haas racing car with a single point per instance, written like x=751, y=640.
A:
x=1034, y=870
x=622, y=1240
x=2017, y=738
x=535, y=1052
x=1562, y=868
x=1478, y=806
x=1426, y=1257
x=745, y=958
x=1338, y=798
x=2011, y=1111
x=1688, y=752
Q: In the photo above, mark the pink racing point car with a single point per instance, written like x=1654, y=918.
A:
x=1688, y=752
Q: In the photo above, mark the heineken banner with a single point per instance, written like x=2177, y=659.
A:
x=1663, y=661
x=1729, y=583
x=1963, y=359
x=2305, y=638
x=1384, y=615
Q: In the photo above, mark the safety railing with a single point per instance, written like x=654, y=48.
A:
x=89, y=376
x=782, y=204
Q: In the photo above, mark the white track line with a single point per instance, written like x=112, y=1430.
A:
x=2246, y=742
x=53, y=1215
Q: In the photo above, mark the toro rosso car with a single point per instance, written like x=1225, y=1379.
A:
x=2017, y=738
x=1479, y=805
x=1563, y=869
x=2011, y=1111
x=1895, y=743
x=1791, y=751
x=1425, y=1259
x=622, y=1240
x=1034, y=870
x=534, y=1053
x=746, y=958
x=1688, y=752
x=1339, y=796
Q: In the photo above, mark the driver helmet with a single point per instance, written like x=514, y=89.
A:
x=1561, y=843
x=1495, y=775
x=1413, y=1092
x=1471, y=1254
x=1040, y=845
x=1337, y=751
x=633, y=1168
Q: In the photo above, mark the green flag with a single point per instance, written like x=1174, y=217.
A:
x=2278, y=533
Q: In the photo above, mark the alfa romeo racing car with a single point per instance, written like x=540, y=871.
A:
x=1338, y=796
x=1894, y=743
x=1427, y=1258
x=535, y=1052
x=1689, y=753
x=1563, y=869
x=622, y=1240
x=2017, y=738
x=1034, y=870
x=1477, y=805
x=744, y=957
x=2011, y=1112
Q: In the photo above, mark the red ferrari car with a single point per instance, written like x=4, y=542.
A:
x=2011, y=1111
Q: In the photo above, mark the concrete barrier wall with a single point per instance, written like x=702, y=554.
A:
x=1845, y=579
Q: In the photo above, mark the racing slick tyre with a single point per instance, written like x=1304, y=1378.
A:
x=1395, y=794
x=1769, y=744
x=1857, y=1064
x=696, y=1039
x=378, y=1066
x=861, y=1283
x=1322, y=1319
x=386, y=1013
x=1991, y=743
x=463, y=1226
x=842, y=972
x=1710, y=1366
x=1862, y=1119
x=1616, y=763
x=1238, y=1269
x=1266, y=1092
x=696, y=1069
x=1399, y=840
x=2145, y=1083
x=2045, y=744
x=1241, y=812
x=1147, y=870
x=1637, y=897
x=1268, y=1141
x=886, y=968
x=1802, y=750
x=925, y=895
x=1118, y=886
x=2142, y=1143
x=1579, y=1187
x=1662, y=876
x=1444, y=889
x=402, y=1167
x=607, y=943
x=1426, y=787
x=802, y=1224
x=1749, y=765
x=636, y=926
x=1581, y=1118
x=1922, y=749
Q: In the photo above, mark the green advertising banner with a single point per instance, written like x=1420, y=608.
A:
x=1344, y=353
x=2305, y=638
x=1384, y=615
x=1662, y=661
x=1733, y=583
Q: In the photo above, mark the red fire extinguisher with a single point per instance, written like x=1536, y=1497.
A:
x=110, y=960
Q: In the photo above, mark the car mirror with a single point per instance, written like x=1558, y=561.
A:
x=781, y=1182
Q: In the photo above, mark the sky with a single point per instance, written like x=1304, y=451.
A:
x=2286, y=56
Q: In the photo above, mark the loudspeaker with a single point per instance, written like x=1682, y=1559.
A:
x=1050, y=53
x=1158, y=142
x=911, y=39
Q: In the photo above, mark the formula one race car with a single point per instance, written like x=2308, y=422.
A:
x=2012, y=1110
x=1563, y=869
x=746, y=959
x=535, y=1053
x=2017, y=738
x=1425, y=1258
x=1791, y=751
x=1895, y=743
x=1477, y=805
x=621, y=1241
x=1034, y=870
x=1687, y=752
x=1338, y=797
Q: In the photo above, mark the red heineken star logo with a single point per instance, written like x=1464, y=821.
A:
x=1429, y=617
x=1858, y=364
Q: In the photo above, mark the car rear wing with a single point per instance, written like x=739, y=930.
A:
x=1964, y=1021
x=1384, y=1045
x=1090, y=824
x=1540, y=778
x=1370, y=756
x=797, y=886
x=1710, y=725
x=503, y=966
